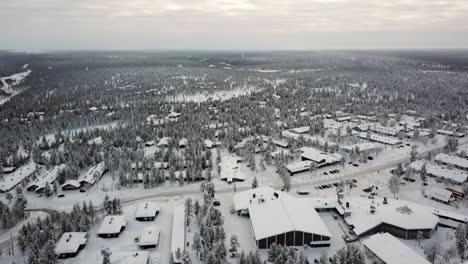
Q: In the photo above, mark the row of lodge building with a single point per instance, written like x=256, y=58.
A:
x=86, y=180
x=313, y=157
x=47, y=178
x=16, y=176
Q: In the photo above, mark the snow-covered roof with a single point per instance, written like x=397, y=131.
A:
x=445, y=132
x=164, y=141
x=279, y=152
x=392, y=251
x=242, y=200
x=230, y=169
x=183, y=142
x=280, y=143
x=319, y=157
x=149, y=237
x=112, y=224
x=362, y=147
x=380, y=139
x=399, y=213
x=150, y=143
x=438, y=193
x=147, y=209
x=450, y=215
x=93, y=174
x=95, y=141
x=73, y=183
x=8, y=169
x=208, y=143
x=391, y=131
x=289, y=214
x=452, y=160
x=342, y=119
x=173, y=115
x=299, y=166
x=70, y=242
x=300, y=130
x=457, y=176
x=11, y=180
x=47, y=178
x=178, y=228
x=462, y=150
x=161, y=165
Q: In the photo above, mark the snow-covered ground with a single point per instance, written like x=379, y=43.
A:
x=8, y=82
x=221, y=95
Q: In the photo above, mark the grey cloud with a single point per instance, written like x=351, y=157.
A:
x=236, y=24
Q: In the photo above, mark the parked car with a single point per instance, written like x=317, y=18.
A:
x=216, y=203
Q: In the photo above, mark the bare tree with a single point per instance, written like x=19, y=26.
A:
x=394, y=185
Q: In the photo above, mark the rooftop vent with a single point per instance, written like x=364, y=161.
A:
x=404, y=210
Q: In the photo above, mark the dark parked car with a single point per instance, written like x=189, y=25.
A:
x=216, y=203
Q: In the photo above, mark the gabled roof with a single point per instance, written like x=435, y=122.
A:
x=149, y=237
x=70, y=242
x=453, y=160
x=439, y=194
x=112, y=224
x=11, y=180
x=392, y=251
x=274, y=212
x=93, y=174
x=47, y=178
x=73, y=183
x=147, y=209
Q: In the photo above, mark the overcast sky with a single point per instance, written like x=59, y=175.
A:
x=233, y=24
